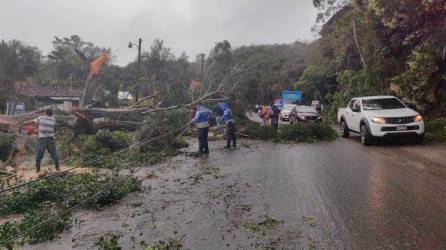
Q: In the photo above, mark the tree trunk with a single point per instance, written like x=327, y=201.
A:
x=89, y=92
x=357, y=43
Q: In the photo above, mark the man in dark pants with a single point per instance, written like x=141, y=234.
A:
x=201, y=121
x=203, y=146
x=230, y=134
x=223, y=110
x=45, y=139
x=274, y=116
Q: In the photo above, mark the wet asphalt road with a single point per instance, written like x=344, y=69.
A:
x=335, y=195
x=360, y=197
x=385, y=196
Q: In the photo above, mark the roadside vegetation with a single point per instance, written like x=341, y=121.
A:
x=379, y=48
x=307, y=132
x=155, y=138
x=102, y=145
x=6, y=145
x=438, y=129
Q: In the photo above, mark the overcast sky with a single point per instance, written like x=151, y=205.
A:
x=193, y=26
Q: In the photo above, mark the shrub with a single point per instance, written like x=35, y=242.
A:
x=300, y=132
x=8, y=230
x=149, y=142
x=257, y=131
x=437, y=128
x=159, y=124
x=307, y=132
x=240, y=116
x=65, y=145
x=6, y=145
x=68, y=190
x=46, y=231
x=115, y=140
x=103, y=143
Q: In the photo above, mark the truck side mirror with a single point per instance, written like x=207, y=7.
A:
x=356, y=109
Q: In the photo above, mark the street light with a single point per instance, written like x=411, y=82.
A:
x=139, y=66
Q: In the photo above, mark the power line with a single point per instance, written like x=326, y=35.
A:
x=54, y=217
x=91, y=161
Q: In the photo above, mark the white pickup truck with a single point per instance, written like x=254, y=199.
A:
x=379, y=117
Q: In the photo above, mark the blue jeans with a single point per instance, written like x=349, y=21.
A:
x=48, y=144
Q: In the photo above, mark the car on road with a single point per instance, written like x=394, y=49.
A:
x=380, y=117
x=304, y=114
x=286, y=111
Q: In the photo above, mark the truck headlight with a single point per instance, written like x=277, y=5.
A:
x=379, y=120
x=418, y=118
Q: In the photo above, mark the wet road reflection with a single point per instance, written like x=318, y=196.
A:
x=337, y=195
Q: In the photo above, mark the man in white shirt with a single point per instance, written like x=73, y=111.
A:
x=45, y=139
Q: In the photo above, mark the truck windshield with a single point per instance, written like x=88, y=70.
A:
x=384, y=103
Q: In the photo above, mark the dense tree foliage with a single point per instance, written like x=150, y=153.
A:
x=68, y=62
x=271, y=69
x=365, y=47
x=18, y=62
x=381, y=47
x=162, y=71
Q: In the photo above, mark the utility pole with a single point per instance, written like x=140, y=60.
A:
x=202, y=67
x=138, y=74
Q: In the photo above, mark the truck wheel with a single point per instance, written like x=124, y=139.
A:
x=344, y=129
x=366, y=137
x=419, y=139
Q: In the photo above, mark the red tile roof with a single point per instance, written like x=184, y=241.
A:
x=194, y=84
x=48, y=91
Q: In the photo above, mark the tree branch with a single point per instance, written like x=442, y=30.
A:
x=136, y=105
x=207, y=97
x=357, y=43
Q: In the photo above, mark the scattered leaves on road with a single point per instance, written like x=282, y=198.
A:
x=309, y=221
x=265, y=223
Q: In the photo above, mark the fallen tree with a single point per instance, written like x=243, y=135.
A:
x=299, y=132
x=215, y=93
x=46, y=199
